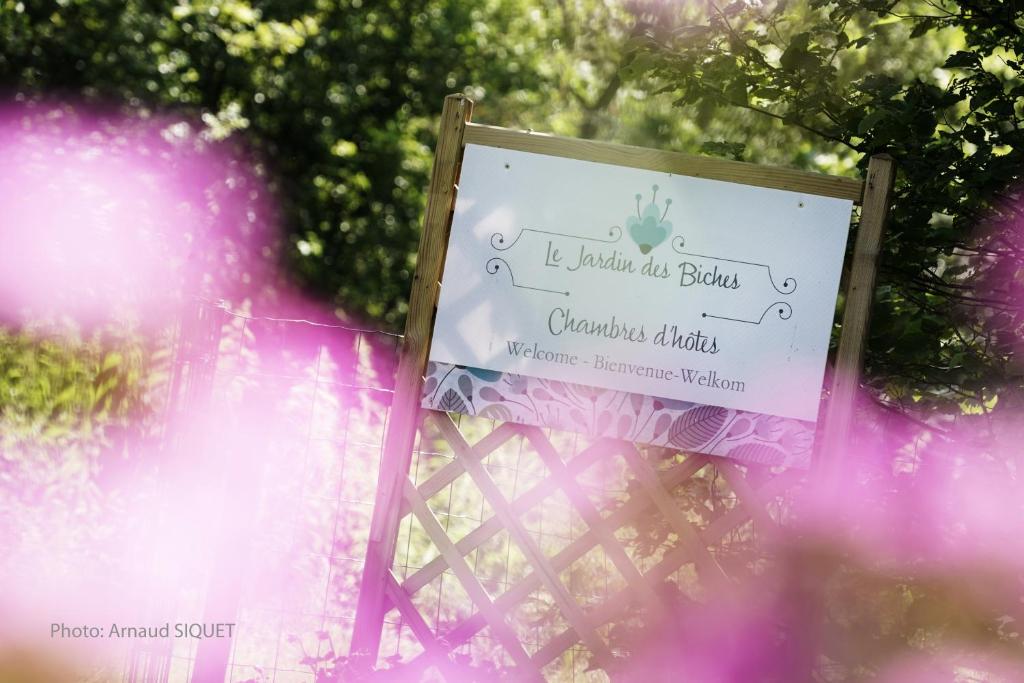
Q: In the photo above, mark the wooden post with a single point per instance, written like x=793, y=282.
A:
x=809, y=572
x=403, y=422
x=861, y=288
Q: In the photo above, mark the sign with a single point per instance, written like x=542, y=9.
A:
x=636, y=304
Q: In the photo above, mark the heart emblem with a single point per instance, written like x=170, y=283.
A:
x=647, y=228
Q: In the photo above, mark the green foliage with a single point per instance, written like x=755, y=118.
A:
x=54, y=389
x=938, y=86
x=935, y=84
x=339, y=100
x=73, y=411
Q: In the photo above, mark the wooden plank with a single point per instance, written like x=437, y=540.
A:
x=579, y=547
x=405, y=407
x=541, y=566
x=437, y=653
x=451, y=471
x=835, y=441
x=583, y=544
x=856, y=314
x=578, y=497
x=617, y=603
x=569, y=554
x=495, y=619
x=628, y=512
x=492, y=525
x=434, y=651
x=667, y=162
x=410, y=614
x=672, y=560
x=746, y=495
x=707, y=565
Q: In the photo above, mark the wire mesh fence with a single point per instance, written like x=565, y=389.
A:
x=281, y=421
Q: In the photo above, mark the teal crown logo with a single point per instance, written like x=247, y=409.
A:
x=647, y=229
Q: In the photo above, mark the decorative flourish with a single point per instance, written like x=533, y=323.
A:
x=498, y=239
x=784, y=310
x=647, y=229
x=494, y=265
x=788, y=285
x=678, y=243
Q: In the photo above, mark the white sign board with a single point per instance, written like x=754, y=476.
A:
x=646, y=284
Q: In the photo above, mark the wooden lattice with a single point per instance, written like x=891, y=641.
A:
x=655, y=486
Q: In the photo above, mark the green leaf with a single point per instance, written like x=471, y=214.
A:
x=870, y=121
x=962, y=59
x=797, y=56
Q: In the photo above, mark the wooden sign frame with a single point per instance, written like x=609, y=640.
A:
x=397, y=496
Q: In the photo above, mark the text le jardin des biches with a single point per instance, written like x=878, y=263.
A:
x=561, y=319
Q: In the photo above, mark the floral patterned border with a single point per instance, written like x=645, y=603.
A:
x=753, y=438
